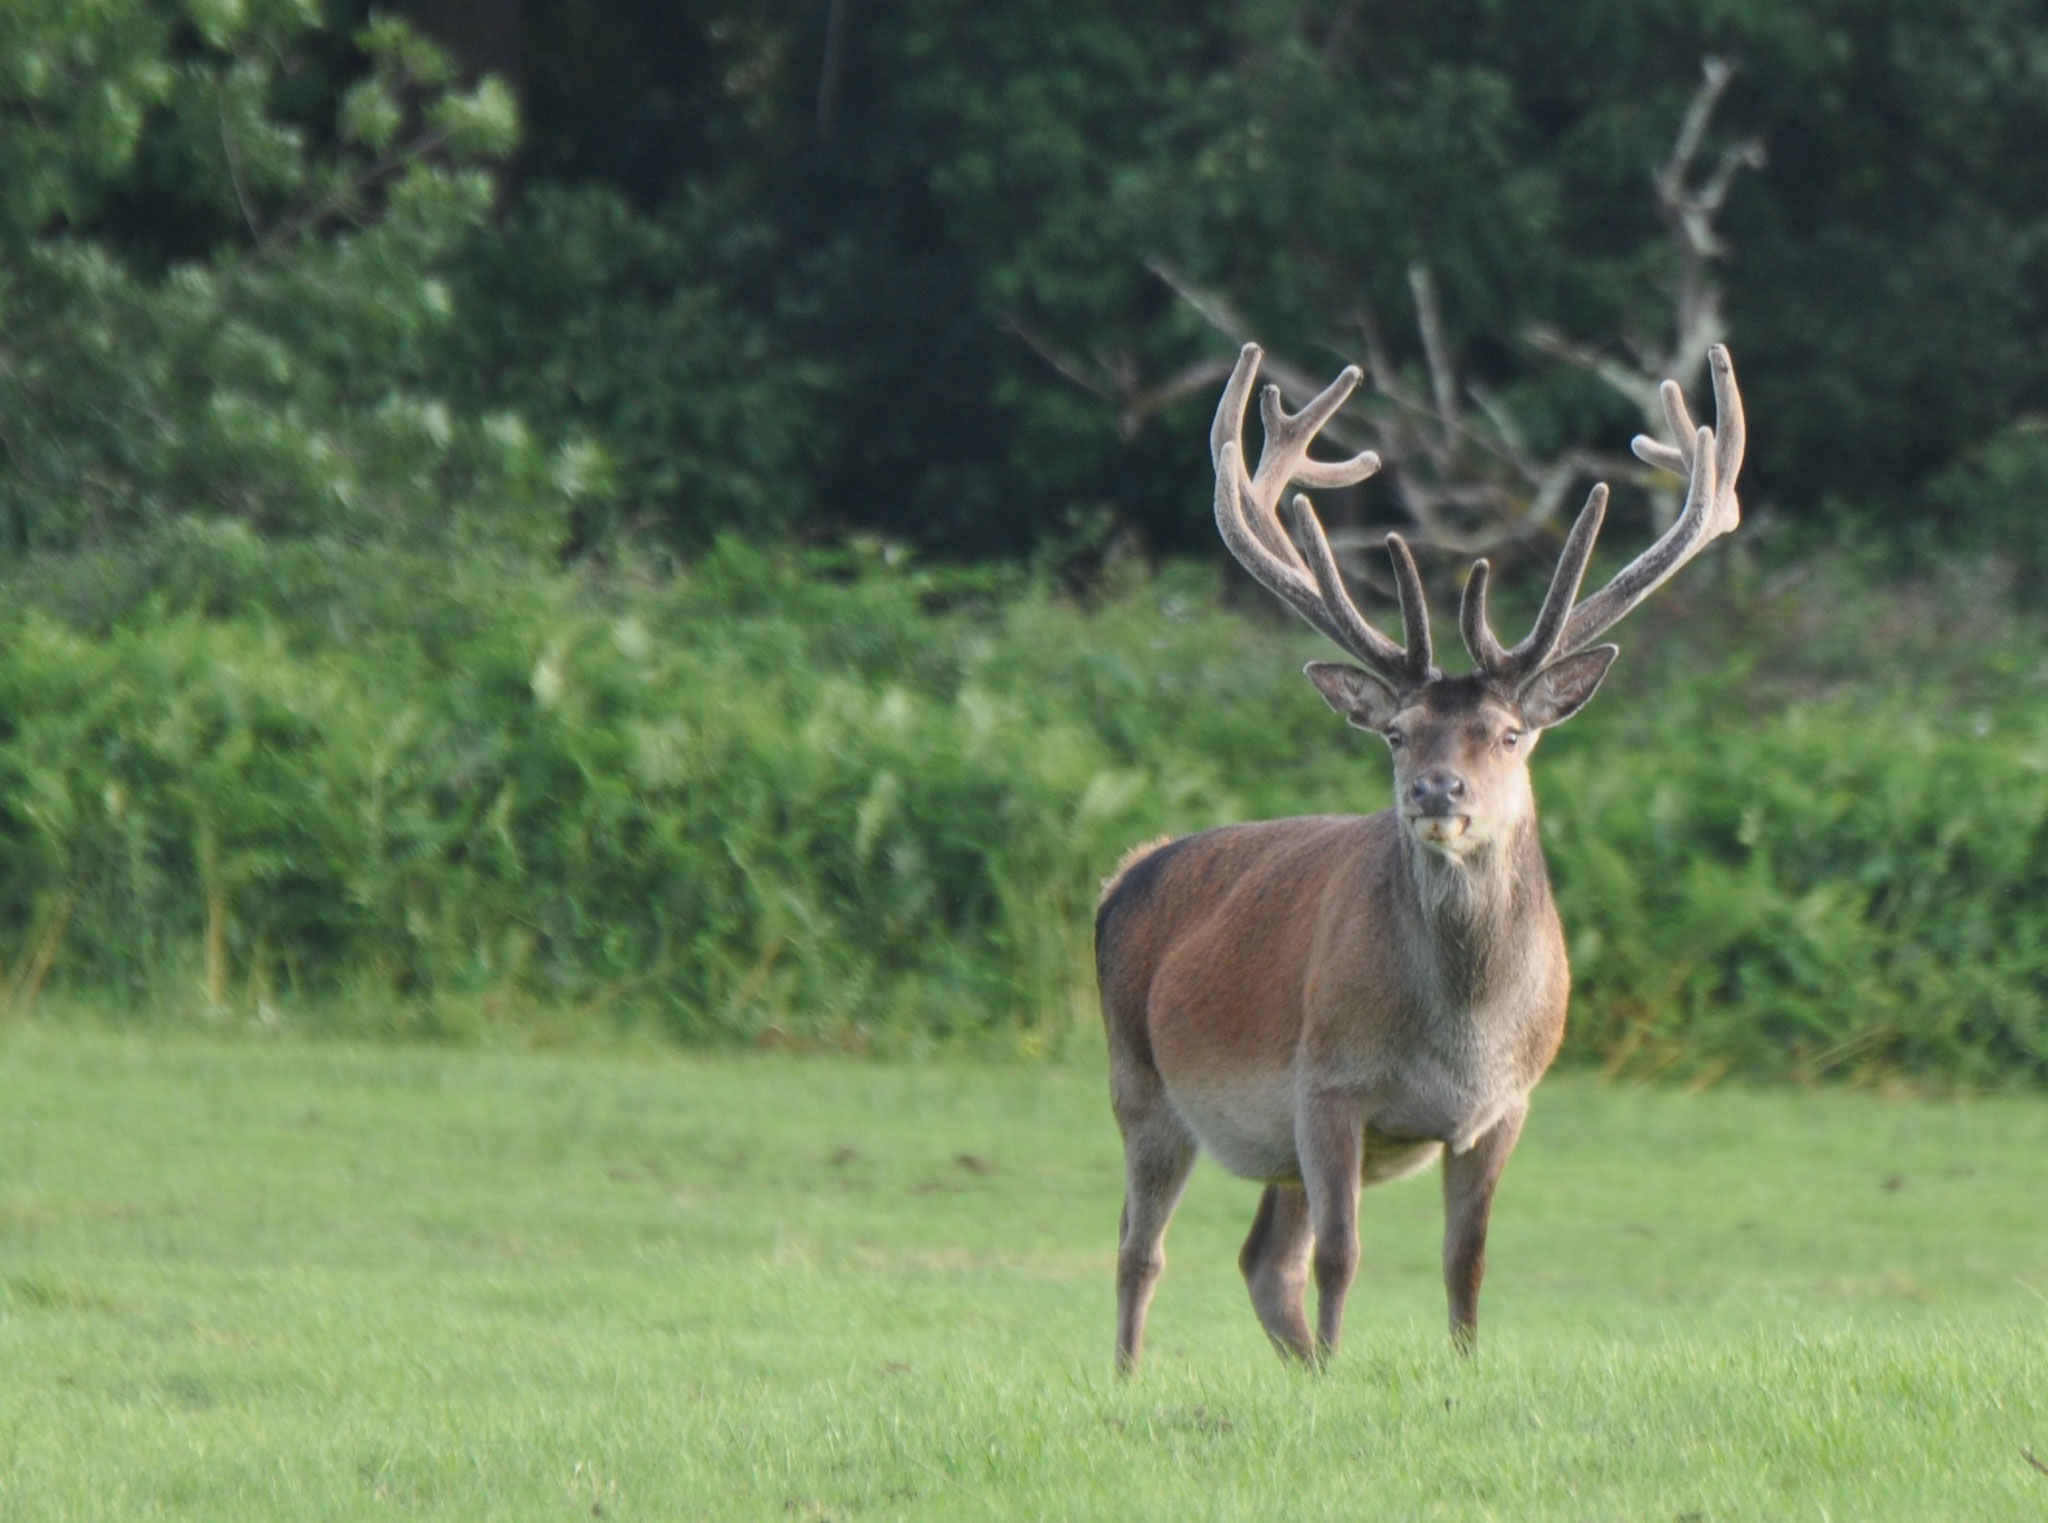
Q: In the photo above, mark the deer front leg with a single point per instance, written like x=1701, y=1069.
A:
x=1330, y=1140
x=1469, y=1178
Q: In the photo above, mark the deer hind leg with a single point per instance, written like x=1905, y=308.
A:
x=1469, y=1180
x=1275, y=1264
x=1159, y=1151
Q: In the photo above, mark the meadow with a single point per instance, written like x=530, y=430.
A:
x=296, y=1279
x=563, y=715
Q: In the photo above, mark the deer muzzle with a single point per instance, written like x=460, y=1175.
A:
x=1435, y=806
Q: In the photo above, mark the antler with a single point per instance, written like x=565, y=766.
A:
x=1247, y=516
x=1709, y=457
x=1511, y=667
x=1712, y=458
x=1308, y=581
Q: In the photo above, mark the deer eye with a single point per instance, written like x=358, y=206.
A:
x=1509, y=739
x=1396, y=738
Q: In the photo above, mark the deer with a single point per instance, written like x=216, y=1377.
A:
x=1333, y=1001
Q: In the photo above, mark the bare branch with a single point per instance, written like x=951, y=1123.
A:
x=1697, y=325
x=1061, y=362
x=1631, y=382
x=232, y=153
x=1199, y=376
x=1692, y=128
x=1436, y=351
x=1115, y=377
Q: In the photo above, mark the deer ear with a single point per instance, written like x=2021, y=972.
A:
x=1359, y=696
x=1561, y=689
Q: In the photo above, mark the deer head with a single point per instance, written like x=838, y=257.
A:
x=1461, y=743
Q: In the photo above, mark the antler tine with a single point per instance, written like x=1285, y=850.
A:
x=1414, y=609
x=1656, y=565
x=1676, y=413
x=1227, y=429
x=1729, y=435
x=1712, y=461
x=1250, y=526
x=1485, y=650
x=1663, y=456
x=1541, y=642
x=1731, y=427
x=1284, y=457
x=1536, y=649
x=1288, y=581
x=1409, y=665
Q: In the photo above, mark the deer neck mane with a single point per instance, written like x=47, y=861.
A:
x=1479, y=919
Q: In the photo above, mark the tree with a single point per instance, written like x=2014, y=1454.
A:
x=263, y=352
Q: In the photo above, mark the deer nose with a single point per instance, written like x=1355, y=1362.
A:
x=1436, y=791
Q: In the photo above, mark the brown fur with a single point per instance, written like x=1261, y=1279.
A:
x=1129, y=860
x=1328, y=1001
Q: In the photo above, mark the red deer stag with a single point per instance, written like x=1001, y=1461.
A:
x=1328, y=1002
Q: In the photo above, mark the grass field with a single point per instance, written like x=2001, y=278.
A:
x=301, y=1281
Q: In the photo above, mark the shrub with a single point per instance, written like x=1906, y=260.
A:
x=623, y=333
x=824, y=799
x=280, y=368
x=1995, y=499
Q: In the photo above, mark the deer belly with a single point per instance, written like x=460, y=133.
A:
x=1446, y=1111
x=1245, y=1122
x=1395, y=1157
x=1248, y=1127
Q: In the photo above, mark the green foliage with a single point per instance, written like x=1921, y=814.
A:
x=1991, y=501
x=76, y=84
x=828, y=800
x=758, y=801
x=1853, y=887
x=896, y=272
x=281, y=373
x=294, y=417
x=950, y=194
x=1819, y=852
x=685, y=408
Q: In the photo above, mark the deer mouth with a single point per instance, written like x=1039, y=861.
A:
x=1439, y=829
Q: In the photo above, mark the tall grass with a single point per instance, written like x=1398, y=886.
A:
x=820, y=800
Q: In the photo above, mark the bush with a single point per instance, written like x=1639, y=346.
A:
x=754, y=801
x=279, y=365
x=1848, y=886
x=622, y=332
x=1994, y=499
x=821, y=799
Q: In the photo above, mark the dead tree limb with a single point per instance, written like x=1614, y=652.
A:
x=1687, y=205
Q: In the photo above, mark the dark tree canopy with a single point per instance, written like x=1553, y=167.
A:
x=906, y=268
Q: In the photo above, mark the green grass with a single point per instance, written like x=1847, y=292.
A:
x=307, y=1281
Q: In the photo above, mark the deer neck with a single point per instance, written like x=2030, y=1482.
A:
x=1479, y=922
